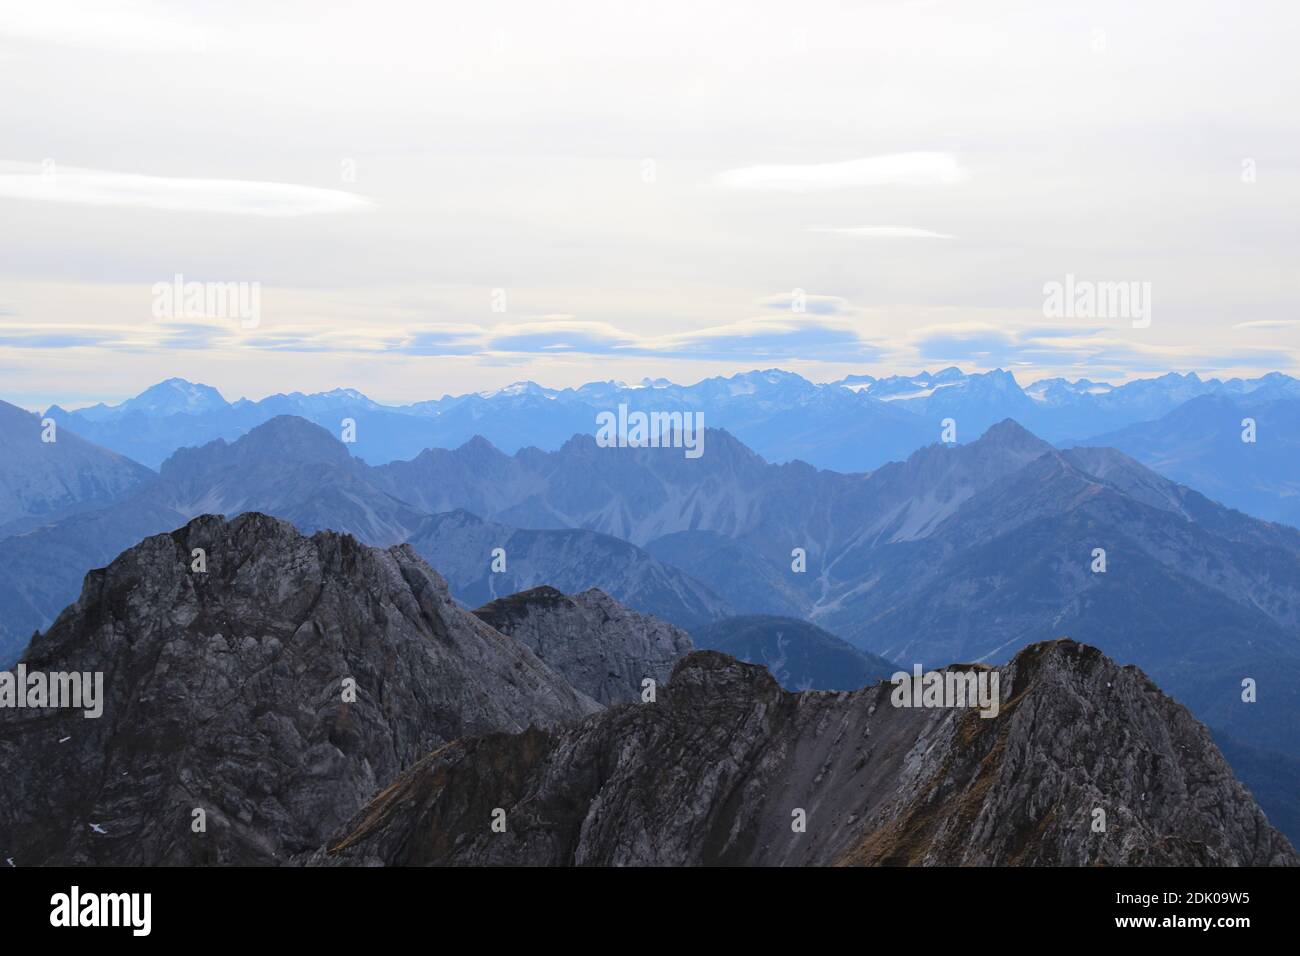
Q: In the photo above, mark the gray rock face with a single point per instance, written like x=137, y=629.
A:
x=716, y=771
x=224, y=692
x=601, y=647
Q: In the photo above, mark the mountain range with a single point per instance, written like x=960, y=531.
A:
x=293, y=699
x=966, y=551
x=295, y=470
x=854, y=424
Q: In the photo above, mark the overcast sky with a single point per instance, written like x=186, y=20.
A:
x=648, y=184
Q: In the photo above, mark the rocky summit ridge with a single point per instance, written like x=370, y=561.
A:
x=276, y=698
x=227, y=693
x=720, y=769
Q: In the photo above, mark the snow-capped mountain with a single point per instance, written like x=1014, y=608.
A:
x=853, y=424
x=174, y=396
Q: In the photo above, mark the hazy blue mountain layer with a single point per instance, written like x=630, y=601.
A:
x=801, y=656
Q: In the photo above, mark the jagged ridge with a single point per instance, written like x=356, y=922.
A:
x=712, y=772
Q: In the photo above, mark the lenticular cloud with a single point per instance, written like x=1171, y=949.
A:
x=911, y=169
x=49, y=183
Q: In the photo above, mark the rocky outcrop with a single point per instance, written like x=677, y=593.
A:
x=230, y=691
x=601, y=647
x=722, y=767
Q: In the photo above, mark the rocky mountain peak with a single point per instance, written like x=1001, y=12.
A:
x=605, y=649
x=522, y=603
x=703, y=675
x=276, y=689
x=1010, y=434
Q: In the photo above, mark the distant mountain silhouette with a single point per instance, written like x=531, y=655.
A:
x=1200, y=444
x=856, y=424
x=42, y=481
x=461, y=545
x=801, y=656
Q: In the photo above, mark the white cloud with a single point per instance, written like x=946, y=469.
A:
x=109, y=24
x=802, y=301
x=882, y=232
x=1269, y=325
x=95, y=187
x=504, y=145
x=908, y=169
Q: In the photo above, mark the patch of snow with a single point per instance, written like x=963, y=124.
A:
x=515, y=388
x=919, y=393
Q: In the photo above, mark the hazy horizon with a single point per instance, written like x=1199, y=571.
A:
x=690, y=383
x=439, y=202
